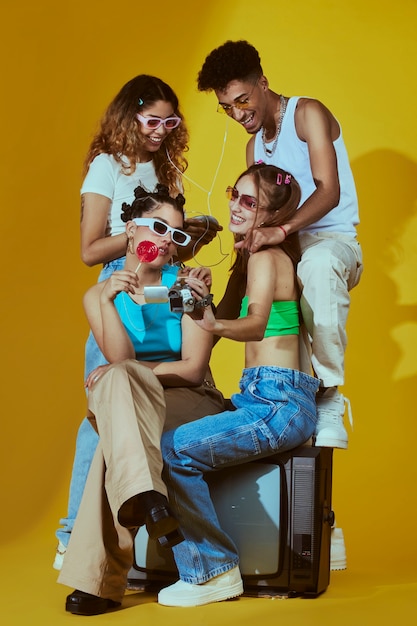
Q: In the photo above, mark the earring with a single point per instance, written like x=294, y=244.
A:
x=130, y=245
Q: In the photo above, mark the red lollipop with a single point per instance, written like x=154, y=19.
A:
x=146, y=252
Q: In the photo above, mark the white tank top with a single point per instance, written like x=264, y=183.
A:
x=291, y=155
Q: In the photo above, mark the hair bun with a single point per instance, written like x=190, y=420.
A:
x=180, y=200
x=140, y=193
x=162, y=190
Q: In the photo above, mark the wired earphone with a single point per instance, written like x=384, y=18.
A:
x=208, y=192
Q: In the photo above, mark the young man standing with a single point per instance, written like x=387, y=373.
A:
x=301, y=136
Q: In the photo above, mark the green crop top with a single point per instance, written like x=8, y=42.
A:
x=283, y=319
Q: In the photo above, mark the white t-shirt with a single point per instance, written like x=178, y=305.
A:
x=106, y=178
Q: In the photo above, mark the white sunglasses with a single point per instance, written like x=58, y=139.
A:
x=161, y=229
x=153, y=123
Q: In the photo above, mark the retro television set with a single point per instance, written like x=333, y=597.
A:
x=278, y=512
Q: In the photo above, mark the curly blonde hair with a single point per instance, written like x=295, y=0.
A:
x=119, y=133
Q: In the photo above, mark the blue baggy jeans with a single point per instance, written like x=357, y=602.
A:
x=275, y=411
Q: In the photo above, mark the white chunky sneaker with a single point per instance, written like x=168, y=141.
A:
x=59, y=556
x=330, y=431
x=223, y=587
x=337, y=550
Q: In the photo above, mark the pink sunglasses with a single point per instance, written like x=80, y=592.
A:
x=245, y=201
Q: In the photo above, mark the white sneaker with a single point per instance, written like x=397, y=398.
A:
x=337, y=550
x=59, y=556
x=223, y=587
x=330, y=431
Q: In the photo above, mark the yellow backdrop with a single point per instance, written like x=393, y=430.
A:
x=61, y=66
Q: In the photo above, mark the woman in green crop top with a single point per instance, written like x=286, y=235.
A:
x=275, y=409
x=269, y=317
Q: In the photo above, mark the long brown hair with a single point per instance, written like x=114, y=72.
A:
x=119, y=132
x=279, y=193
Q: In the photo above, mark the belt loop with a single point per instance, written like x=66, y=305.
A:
x=296, y=376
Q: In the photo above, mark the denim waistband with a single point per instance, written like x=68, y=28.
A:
x=293, y=377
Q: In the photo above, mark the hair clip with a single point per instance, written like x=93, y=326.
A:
x=258, y=162
x=287, y=179
x=140, y=102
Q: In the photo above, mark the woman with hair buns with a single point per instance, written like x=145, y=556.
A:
x=154, y=379
x=141, y=140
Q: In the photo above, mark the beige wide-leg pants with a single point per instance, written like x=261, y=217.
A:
x=129, y=405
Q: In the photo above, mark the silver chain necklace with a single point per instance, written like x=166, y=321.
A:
x=282, y=108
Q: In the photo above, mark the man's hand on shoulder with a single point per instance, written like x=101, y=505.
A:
x=271, y=236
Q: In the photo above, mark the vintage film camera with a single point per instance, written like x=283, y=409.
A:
x=179, y=297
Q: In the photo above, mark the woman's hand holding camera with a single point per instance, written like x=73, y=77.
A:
x=202, y=315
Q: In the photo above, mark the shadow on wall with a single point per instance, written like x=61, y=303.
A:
x=387, y=193
x=381, y=363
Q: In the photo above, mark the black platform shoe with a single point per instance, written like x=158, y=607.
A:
x=152, y=509
x=82, y=603
x=162, y=525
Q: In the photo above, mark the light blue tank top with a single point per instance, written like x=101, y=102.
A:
x=154, y=331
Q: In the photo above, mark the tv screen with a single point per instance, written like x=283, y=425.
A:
x=248, y=505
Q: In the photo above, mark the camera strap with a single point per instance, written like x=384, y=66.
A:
x=204, y=302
